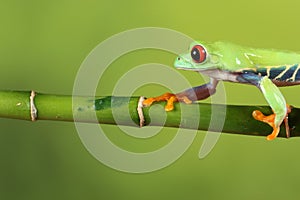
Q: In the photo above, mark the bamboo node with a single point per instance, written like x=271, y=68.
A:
x=33, y=109
x=140, y=111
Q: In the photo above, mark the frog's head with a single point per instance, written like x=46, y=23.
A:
x=200, y=57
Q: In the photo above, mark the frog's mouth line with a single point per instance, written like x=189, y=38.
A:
x=185, y=64
x=195, y=70
x=189, y=69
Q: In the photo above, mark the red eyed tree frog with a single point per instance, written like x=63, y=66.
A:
x=264, y=68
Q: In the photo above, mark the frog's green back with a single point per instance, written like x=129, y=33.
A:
x=236, y=57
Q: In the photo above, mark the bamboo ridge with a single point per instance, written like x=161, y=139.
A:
x=123, y=111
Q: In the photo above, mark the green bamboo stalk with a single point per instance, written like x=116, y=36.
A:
x=16, y=105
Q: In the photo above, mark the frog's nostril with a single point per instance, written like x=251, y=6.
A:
x=178, y=58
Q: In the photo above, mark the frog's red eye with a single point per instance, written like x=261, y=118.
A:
x=198, y=53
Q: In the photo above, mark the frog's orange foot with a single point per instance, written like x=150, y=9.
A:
x=169, y=98
x=270, y=119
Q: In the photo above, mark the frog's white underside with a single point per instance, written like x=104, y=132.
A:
x=220, y=75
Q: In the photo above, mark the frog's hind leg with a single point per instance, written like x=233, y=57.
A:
x=275, y=99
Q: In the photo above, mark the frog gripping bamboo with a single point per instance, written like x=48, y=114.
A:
x=267, y=69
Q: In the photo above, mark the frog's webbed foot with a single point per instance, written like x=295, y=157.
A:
x=270, y=119
x=169, y=98
x=258, y=115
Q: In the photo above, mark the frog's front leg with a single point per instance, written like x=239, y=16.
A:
x=275, y=99
x=187, y=96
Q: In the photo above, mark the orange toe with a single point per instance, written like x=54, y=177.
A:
x=269, y=119
x=148, y=102
x=258, y=115
x=274, y=134
x=186, y=100
x=170, y=103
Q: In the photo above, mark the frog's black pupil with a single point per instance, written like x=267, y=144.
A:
x=195, y=54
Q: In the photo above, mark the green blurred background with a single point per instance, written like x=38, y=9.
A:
x=42, y=45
